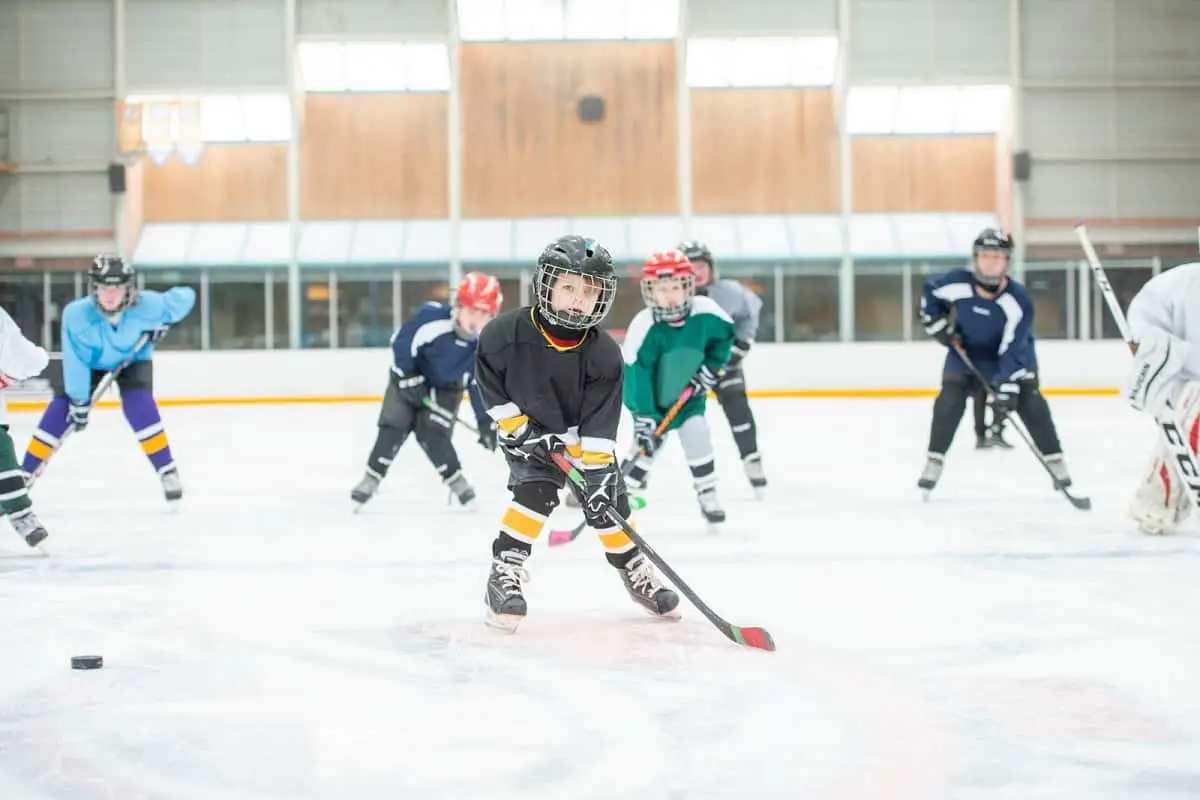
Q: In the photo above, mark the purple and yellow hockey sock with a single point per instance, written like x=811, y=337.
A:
x=50, y=429
x=142, y=413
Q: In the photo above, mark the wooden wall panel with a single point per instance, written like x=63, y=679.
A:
x=232, y=183
x=525, y=152
x=918, y=173
x=374, y=156
x=764, y=151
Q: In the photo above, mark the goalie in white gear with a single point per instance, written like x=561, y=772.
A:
x=1164, y=323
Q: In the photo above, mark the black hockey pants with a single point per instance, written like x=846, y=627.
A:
x=951, y=402
x=399, y=416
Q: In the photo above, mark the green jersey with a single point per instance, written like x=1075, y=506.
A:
x=660, y=358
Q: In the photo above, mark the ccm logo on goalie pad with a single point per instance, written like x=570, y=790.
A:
x=1183, y=456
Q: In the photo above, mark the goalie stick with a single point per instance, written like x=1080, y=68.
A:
x=748, y=637
x=1177, y=441
x=561, y=537
x=1082, y=503
x=101, y=388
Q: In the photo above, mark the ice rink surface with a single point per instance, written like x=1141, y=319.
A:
x=262, y=641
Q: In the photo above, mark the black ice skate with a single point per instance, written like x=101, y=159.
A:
x=461, y=490
x=505, y=602
x=365, y=490
x=710, y=507
x=172, y=486
x=932, y=473
x=754, y=472
x=992, y=437
x=646, y=590
x=1058, y=468
x=29, y=528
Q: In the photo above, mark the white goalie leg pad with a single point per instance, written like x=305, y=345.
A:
x=1162, y=502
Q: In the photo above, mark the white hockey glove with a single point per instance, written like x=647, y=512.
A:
x=77, y=415
x=1157, y=362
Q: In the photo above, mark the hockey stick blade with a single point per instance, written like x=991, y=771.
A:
x=748, y=637
x=1081, y=503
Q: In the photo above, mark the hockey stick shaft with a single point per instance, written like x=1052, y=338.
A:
x=562, y=536
x=1079, y=502
x=436, y=409
x=101, y=388
x=1177, y=441
x=750, y=637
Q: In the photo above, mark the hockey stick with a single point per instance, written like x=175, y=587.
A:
x=101, y=388
x=750, y=637
x=1082, y=503
x=561, y=537
x=1177, y=442
x=436, y=409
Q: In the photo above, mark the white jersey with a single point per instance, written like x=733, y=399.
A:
x=19, y=357
x=1170, y=301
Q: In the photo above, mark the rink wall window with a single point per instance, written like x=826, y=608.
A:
x=880, y=313
x=374, y=66
x=810, y=304
x=571, y=20
x=764, y=62
x=185, y=334
x=928, y=110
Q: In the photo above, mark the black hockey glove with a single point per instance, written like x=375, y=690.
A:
x=600, y=487
x=643, y=435
x=157, y=333
x=741, y=348
x=939, y=328
x=487, y=434
x=412, y=388
x=529, y=443
x=704, y=380
x=1004, y=398
x=77, y=415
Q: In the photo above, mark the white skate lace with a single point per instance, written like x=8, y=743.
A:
x=642, y=578
x=170, y=480
x=510, y=576
x=708, y=501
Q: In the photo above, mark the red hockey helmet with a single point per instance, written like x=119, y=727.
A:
x=480, y=292
x=669, y=285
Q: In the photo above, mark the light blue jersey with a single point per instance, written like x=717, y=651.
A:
x=91, y=341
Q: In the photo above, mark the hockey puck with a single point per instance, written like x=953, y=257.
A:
x=87, y=662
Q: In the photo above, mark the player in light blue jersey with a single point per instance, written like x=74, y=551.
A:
x=100, y=333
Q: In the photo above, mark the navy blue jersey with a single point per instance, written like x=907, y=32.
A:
x=997, y=333
x=427, y=345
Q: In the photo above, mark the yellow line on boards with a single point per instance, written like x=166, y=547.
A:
x=765, y=394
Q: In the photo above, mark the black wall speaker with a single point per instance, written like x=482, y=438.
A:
x=591, y=109
x=1022, y=165
x=116, y=178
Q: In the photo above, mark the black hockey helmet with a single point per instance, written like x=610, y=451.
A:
x=575, y=255
x=698, y=251
x=111, y=270
x=991, y=240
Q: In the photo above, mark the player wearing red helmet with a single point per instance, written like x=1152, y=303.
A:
x=679, y=340
x=433, y=358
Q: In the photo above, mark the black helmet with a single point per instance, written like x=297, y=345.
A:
x=990, y=240
x=698, y=251
x=110, y=270
x=579, y=256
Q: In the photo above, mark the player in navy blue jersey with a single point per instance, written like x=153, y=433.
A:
x=989, y=315
x=433, y=360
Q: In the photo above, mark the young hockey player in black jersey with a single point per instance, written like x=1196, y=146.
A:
x=552, y=381
x=433, y=356
x=993, y=322
x=743, y=306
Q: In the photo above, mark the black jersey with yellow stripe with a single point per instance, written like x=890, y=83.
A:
x=569, y=387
